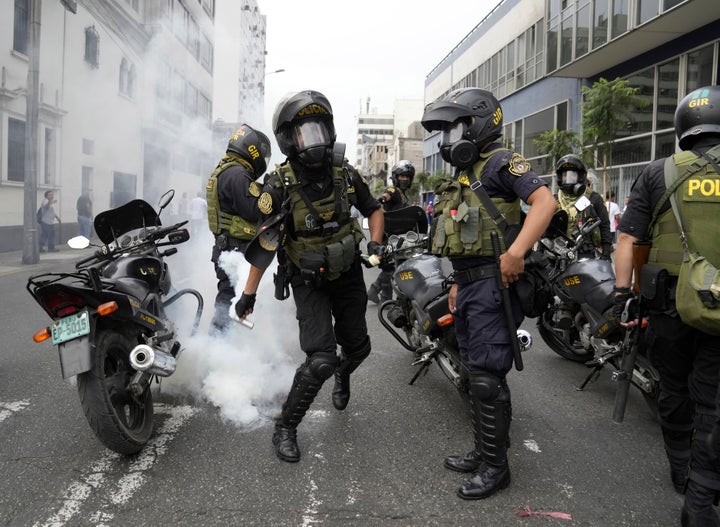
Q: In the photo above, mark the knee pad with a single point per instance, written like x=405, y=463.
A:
x=488, y=386
x=358, y=354
x=321, y=365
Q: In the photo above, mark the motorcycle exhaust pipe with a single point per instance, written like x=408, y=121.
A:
x=152, y=360
x=524, y=339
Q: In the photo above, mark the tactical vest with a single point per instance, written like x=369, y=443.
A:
x=697, y=198
x=463, y=225
x=567, y=203
x=323, y=227
x=218, y=220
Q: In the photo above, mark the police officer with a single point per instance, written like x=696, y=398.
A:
x=393, y=198
x=312, y=193
x=687, y=359
x=572, y=183
x=470, y=120
x=232, y=193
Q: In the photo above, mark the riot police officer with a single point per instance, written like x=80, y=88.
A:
x=687, y=358
x=307, y=205
x=572, y=183
x=393, y=198
x=470, y=122
x=232, y=193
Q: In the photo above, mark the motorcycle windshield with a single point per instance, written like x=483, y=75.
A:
x=400, y=221
x=135, y=214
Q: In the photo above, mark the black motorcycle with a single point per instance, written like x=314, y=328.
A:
x=577, y=322
x=110, y=323
x=419, y=318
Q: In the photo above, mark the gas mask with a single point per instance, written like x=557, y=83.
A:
x=459, y=152
x=571, y=183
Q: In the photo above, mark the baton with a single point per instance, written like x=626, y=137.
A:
x=507, y=306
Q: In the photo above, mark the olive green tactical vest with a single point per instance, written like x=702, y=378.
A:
x=218, y=220
x=463, y=224
x=334, y=234
x=567, y=203
x=697, y=198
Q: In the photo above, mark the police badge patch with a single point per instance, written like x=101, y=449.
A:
x=254, y=189
x=265, y=203
x=518, y=165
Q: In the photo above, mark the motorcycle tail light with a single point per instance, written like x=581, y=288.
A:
x=63, y=304
x=445, y=320
x=42, y=335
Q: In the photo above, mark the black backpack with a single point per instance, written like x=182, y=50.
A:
x=38, y=215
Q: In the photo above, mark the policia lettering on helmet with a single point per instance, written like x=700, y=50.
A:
x=393, y=198
x=687, y=359
x=572, y=183
x=470, y=122
x=306, y=202
x=232, y=195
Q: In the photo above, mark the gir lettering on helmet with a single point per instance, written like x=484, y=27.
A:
x=706, y=187
x=312, y=109
x=497, y=116
x=253, y=151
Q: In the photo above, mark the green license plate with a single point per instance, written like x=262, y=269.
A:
x=70, y=327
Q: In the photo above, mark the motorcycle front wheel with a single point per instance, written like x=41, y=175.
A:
x=562, y=342
x=122, y=422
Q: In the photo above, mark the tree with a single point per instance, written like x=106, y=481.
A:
x=606, y=108
x=557, y=143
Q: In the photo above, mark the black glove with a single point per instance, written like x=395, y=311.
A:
x=245, y=304
x=382, y=200
x=606, y=252
x=375, y=248
x=622, y=295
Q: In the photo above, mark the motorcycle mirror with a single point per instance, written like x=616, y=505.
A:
x=166, y=198
x=78, y=242
x=582, y=203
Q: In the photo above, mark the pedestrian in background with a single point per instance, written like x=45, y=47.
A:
x=84, y=215
x=198, y=214
x=47, y=222
x=613, y=214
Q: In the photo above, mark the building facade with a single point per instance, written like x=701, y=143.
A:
x=536, y=55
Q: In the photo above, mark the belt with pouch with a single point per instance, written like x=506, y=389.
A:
x=474, y=274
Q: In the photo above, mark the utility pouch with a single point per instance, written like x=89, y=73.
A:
x=313, y=269
x=697, y=297
x=281, y=279
x=655, y=287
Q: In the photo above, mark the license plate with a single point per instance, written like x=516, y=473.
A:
x=70, y=327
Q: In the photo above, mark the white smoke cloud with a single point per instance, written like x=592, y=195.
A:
x=245, y=373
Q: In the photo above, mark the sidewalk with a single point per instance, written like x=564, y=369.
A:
x=11, y=262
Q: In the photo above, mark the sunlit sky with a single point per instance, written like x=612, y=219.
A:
x=352, y=50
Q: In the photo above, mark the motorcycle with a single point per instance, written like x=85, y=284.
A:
x=577, y=322
x=419, y=317
x=110, y=323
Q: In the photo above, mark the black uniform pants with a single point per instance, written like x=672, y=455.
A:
x=225, y=290
x=332, y=314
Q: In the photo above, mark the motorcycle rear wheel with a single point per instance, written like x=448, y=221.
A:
x=558, y=344
x=122, y=423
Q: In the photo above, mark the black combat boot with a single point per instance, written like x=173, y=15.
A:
x=470, y=462
x=308, y=380
x=492, y=397
x=677, y=442
x=373, y=293
x=348, y=364
x=703, y=484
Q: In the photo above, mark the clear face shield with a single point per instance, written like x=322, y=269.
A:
x=308, y=134
x=569, y=177
x=453, y=133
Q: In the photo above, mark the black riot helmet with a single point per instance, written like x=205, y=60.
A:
x=571, y=175
x=468, y=118
x=402, y=168
x=698, y=113
x=251, y=145
x=304, y=129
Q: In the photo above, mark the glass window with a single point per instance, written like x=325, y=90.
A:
x=92, y=46
x=534, y=126
x=566, y=42
x=667, y=94
x=50, y=149
x=22, y=23
x=561, y=117
x=664, y=145
x=552, y=49
x=620, y=17
x=646, y=10
x=16, y=150
x=582, y=34
x=667, y=4
x=517, y=138
x=699, y=68
x=641, y=117
x=632, y=151
x=600, y=22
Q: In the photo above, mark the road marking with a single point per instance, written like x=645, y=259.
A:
x=8, y=409
x=532, y=445
x=97, y=473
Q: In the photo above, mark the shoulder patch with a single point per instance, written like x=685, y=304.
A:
x=518, y=165
x=464, y=180
x=254, y=189
x=265, y=203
